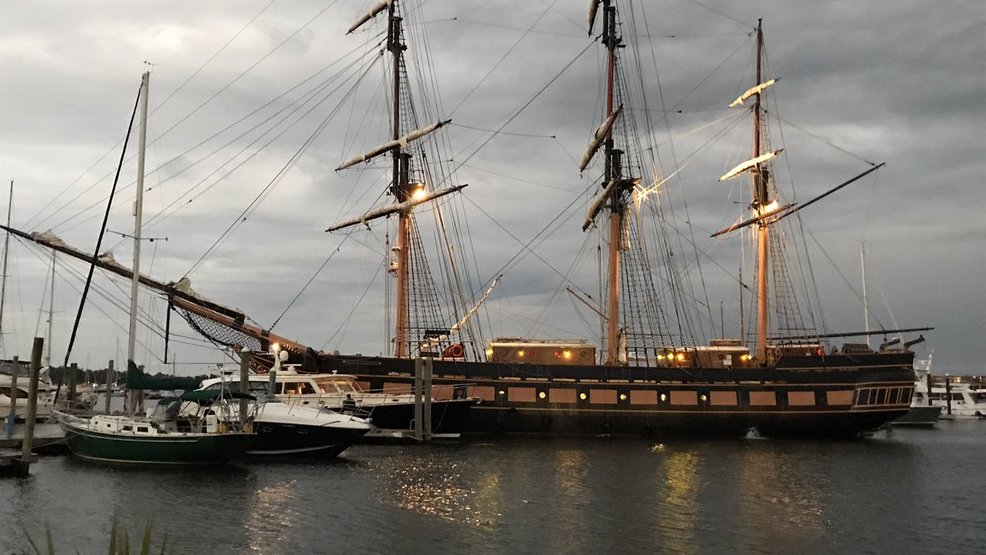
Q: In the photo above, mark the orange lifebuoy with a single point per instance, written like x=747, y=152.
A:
x=454, y=351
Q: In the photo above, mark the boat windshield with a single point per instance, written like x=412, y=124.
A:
x=256, y=388
x=337, y=385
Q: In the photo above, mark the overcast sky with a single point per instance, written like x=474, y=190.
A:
x=883, y=81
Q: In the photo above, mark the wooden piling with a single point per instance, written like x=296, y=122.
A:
x=948, y=396
x=70, y=396
x=244, y=386
x=109, y=386
x=32, y=401
x=418, y=400
x=426, y=378
x=12, y=417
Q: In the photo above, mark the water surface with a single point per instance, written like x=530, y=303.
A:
x=913, y=491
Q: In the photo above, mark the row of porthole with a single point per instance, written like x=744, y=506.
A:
x=623, y=396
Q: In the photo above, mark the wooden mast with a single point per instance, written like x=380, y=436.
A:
x=760, y=200
x=138, y=223
x=612, y=172
x=400, y=186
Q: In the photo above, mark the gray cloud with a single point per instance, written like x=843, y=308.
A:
x=887, y=81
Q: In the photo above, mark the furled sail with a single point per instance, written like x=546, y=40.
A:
x=377, y=8
x=390, y=145
x=598, y=137
x=593, y=7
x=397, y=207
x=752, y=163
x=600, y=201
x=752, y=91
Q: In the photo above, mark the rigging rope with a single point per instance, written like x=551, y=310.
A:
x=102, y=231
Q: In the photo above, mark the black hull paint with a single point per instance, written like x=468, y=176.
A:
x=447, y=417
x=813, y=396
x=276, y=438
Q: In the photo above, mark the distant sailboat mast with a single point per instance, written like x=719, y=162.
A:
x=51, y=309
x=6, y=247
x=866, y=307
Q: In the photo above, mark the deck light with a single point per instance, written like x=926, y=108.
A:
x=623, y=396
x=542, y=395
x=418, y=191
x=664, y=397
x=582, y=396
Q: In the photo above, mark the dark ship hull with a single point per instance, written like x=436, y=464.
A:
x=837, y=395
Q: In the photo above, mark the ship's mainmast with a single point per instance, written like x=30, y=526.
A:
x=408, y=194
x=616, y=186
x=761, y=202
x=613, y=171
x=400, y=183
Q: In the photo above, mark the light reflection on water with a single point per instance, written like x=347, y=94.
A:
x=680, y=473
x=911, y=492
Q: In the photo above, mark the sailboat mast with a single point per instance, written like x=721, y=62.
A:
x=866, y=308
x=612, y=172
x=138, y=215
x=761, y=200
x=400, y=185
x=51, y=309
x=6, y=247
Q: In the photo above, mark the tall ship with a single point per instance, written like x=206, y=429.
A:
x=650, y=374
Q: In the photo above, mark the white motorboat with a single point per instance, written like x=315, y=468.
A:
x=957, y=400
x=20, y=396
x=391, y=412
x=292, y=429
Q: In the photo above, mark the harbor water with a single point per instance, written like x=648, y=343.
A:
x=911, y=491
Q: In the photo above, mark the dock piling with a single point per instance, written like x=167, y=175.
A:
x=109, y=386
x=70, y=396
x=12, y=416
x=423, y=368
x=244, y=386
